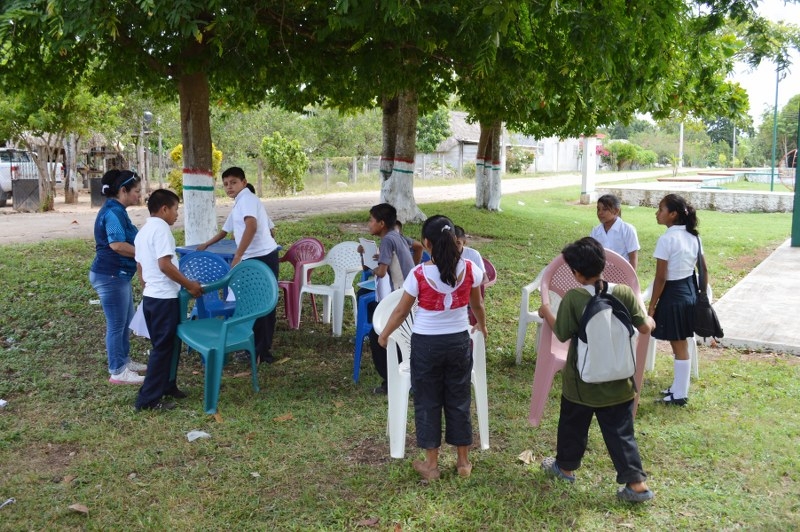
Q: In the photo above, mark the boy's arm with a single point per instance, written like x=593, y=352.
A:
x=633, y=258
x=416, y=251
x=213, y=240
x=250, y=228
x=169, y=269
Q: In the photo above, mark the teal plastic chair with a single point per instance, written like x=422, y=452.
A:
x=256, y=291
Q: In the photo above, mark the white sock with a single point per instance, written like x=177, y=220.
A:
x=680, y=386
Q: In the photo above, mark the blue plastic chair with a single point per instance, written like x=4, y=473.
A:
x=256, y=291
x=206, y=267
x=363, y=327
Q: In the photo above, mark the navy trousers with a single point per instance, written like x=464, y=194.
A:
x=162, y=318
x=264, y=327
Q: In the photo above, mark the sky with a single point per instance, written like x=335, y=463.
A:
x=760, y=83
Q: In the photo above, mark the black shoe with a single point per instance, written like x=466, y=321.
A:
x=176, y=394
x=381, y=390
x=670, y=400
x=161, y=405
x=266, y=357
x=666, y=392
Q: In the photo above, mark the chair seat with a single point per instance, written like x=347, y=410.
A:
x=202, y=334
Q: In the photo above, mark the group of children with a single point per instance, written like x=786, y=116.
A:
x=669, y=317
x=157, y=263
x=445, y=286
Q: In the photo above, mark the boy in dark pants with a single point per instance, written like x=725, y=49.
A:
x=158, y=269
x=611, y=402
x=394, y=262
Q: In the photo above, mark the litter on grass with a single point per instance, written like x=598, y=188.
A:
x=195, y=434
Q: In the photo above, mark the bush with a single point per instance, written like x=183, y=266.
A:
x=286, y=163
x=518, y=160
x=469, y=170
x=175, y=176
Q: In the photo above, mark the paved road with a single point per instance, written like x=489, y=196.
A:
x=77, y=221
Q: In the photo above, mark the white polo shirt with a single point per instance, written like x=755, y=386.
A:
x=621, y=238
x=679, y=248
x=154, y=241
x=468, y=253
x=247, y=204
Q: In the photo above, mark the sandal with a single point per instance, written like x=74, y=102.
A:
x=628, y=495
x=425, y=472
x=550, y=466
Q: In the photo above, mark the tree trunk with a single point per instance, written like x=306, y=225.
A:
x=200, y=218
x=487, y=177
x=397, y=157
x=71, y=169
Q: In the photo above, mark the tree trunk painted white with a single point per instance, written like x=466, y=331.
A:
x=588, y=167
x=71, y=169
x=200, y=220
x=487, y=166
x=397, y=158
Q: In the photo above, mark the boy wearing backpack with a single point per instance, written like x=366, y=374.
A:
x=612, y=401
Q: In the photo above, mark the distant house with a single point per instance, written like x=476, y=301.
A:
x=552, y=154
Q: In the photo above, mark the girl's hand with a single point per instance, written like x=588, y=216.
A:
x=383, y=340
x=202, y=247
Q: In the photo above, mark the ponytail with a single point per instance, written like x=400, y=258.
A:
x=440, y=232
x=686, y=214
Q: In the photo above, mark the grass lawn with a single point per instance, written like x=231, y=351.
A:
x=310, y=453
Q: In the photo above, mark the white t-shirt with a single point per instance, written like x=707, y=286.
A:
x=621, y=238
x=154, y=241
x=442, y=308
x=473, y=255
x=248, y=204
x=679, y=248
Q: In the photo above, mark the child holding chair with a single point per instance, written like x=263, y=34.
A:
x=158, y=268
x=611, y=402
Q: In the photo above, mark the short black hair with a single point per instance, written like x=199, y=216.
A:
x=609, y=201
x=383, y=212
x=161, y=198
x=234, y=171
x=460, y=233
x=585, y=256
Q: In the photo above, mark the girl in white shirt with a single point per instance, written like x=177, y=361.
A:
x=441, y=355
x=614, y=233
x=675, y=290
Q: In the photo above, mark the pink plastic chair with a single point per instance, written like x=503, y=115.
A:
x=301, y=252
x=551, y=356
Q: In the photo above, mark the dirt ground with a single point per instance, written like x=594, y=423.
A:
x=77, y=220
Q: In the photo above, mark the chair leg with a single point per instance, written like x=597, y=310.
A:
x=650, y=365
x=522, y=330
x=338, y=311
x=398, y=412
x=693, y=352
x=643, y=343
x=254, y=369
x=213, y=381
x=542, y=383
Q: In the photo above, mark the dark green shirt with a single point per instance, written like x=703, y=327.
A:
x=567, y=324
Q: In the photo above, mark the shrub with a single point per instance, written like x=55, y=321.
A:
x=518, y=160
x=175, y=176
x=286, y=163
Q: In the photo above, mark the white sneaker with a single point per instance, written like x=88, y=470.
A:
x=136, y=366
x=126, y=377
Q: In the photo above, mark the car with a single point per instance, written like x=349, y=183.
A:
x=20, y=164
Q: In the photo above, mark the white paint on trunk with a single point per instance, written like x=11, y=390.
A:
x=398, y=191
x=588, y=167
x=200, y=220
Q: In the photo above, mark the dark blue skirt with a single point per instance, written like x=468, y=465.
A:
x=674, y=314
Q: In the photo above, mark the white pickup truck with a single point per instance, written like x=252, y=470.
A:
x=19, y=164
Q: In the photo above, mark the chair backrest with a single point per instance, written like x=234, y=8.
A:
x=307, y=249
x=557, y=277
x=203, y=266
x=491, y=273
x=345, y=261
x=255, y=288
x=401, y=337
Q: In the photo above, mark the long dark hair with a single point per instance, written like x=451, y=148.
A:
x=115, y=180
x=687, y=215
x=440, y=232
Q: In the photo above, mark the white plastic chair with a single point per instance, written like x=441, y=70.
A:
x=650, y=365
x=399, y=375
x=526, y=315
x=551, y=356
x=346, y=263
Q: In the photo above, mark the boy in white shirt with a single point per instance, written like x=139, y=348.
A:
x=158, y=269
x=254, y=233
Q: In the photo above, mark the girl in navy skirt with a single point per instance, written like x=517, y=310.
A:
x=675, y=289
